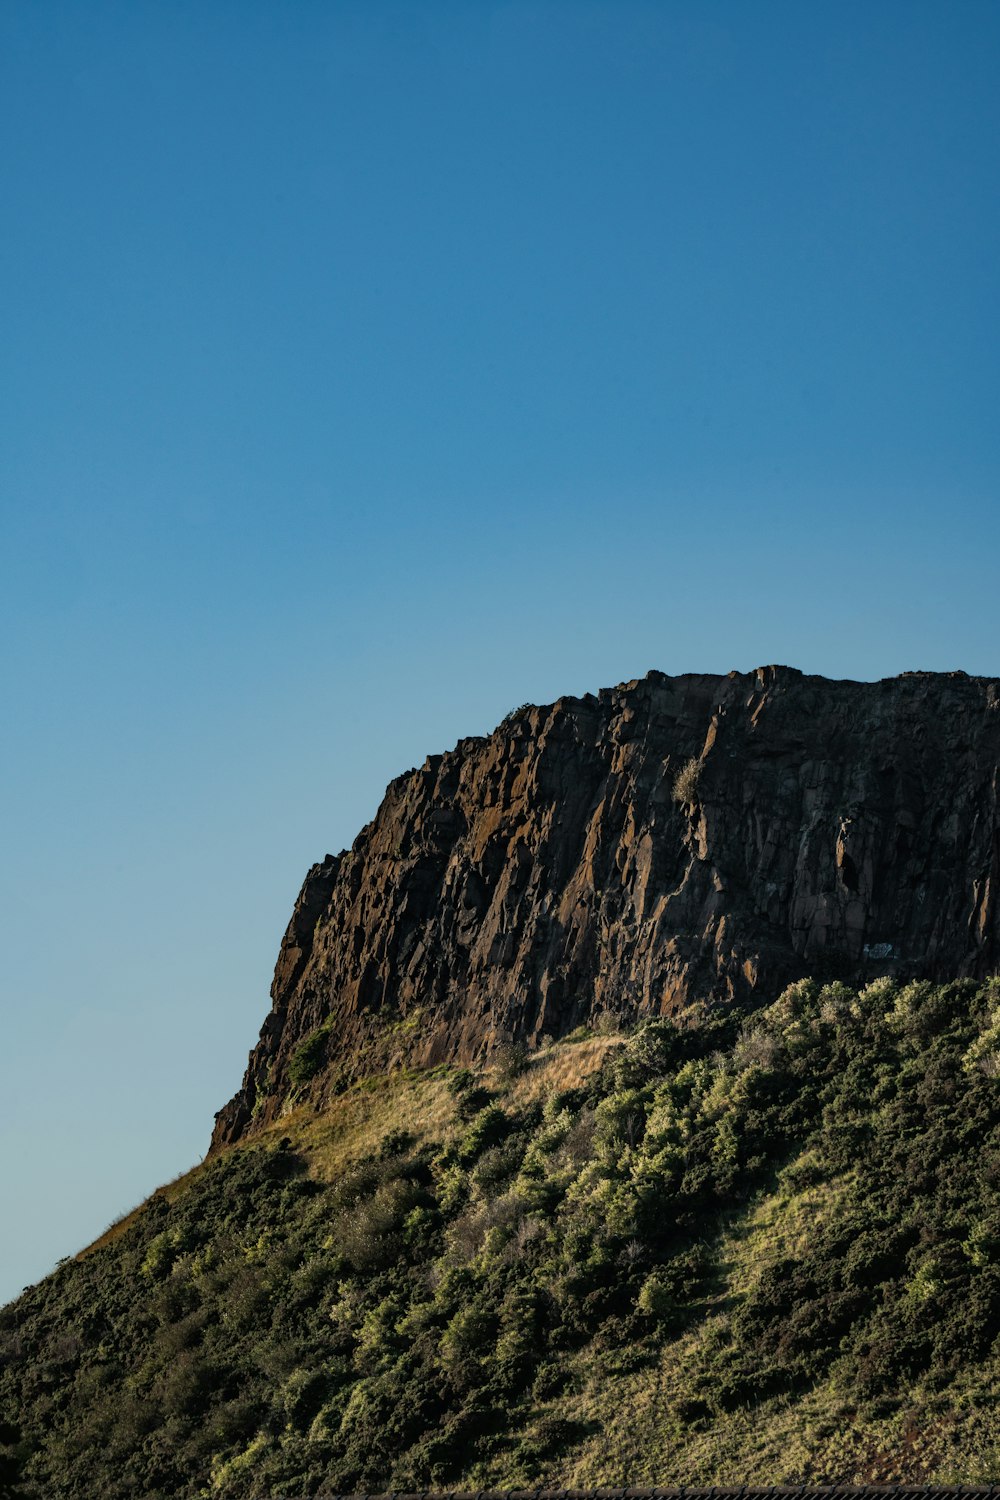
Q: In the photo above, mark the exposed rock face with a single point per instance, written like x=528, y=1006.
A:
x=524, y=883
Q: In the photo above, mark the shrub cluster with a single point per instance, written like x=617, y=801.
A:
x=686, y=781
x=431, y=1311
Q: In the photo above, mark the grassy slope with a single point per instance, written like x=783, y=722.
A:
x=714, y=1253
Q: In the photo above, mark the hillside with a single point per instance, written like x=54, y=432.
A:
x=714, y=1249
x=564, y=868
x=628, y=1112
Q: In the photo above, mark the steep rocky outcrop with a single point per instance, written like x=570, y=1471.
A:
x=524, y=883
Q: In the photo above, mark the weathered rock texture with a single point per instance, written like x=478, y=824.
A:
x=524, y=883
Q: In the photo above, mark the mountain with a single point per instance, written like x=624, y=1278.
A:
x=564, y=869
x=628, y=1113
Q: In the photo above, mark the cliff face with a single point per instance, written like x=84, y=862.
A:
x=524, y=883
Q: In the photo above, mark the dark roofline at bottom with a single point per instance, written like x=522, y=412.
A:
x=705, y=1492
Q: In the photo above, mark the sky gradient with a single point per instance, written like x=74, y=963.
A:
x=368, y=369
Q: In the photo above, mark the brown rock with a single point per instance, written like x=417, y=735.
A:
x=525, y=882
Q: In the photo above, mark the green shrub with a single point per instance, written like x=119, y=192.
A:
x=308, y=1057
x=302, y=1396
x=513, y=714
x=656, y=1299
x=510, y=1060
x=798, y=1207
x=487, y=1129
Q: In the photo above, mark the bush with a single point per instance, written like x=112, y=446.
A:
x=514, y=713
x=308, y=1057
x=292, y=1335
x=686, y=781
x=487, y=1129
x=510, y=1060
x=656, y=1299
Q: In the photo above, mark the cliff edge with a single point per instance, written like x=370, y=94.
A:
x=524, y=883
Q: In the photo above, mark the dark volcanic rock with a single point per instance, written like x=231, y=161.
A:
x=524, y=883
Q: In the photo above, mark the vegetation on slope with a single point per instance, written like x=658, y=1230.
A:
x=733, y=1249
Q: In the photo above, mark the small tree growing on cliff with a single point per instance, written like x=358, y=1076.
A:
x=513, y=714
x=510, y=1059
x=308, y=1057
x=686, y=781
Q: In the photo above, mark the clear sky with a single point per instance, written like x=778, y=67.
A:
x=367, y=369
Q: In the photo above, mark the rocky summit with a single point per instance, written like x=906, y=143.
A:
x=622, y=854
x=628, y=1114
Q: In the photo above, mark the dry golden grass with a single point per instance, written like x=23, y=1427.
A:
x=351, y=1126
x=564, y=1065
x=347, y=1131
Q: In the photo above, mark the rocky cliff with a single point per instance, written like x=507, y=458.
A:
x=527, y=882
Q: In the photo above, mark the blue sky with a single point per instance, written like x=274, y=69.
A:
x=368, y=369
